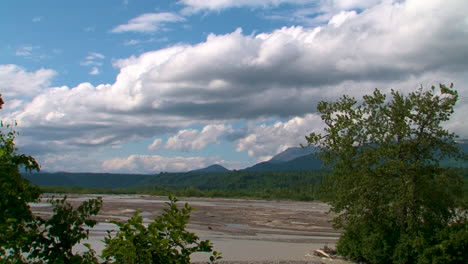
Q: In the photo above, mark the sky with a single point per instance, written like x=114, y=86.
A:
x=141, y=86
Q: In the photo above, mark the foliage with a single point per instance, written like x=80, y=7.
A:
x=17, y=224
x=64, y=230
x=450, y=245
x=394, y=201
x=165, y=240
x=25, y=238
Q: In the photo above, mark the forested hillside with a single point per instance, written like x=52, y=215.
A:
x=302, y=185
x=292, y=174
x=85, y=180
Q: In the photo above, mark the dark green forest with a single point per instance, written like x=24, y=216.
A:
x=294, y=179
x=290, y=185
x=302, y=185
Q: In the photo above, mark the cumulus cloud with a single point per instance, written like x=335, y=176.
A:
x=234, y=76
x=264, y=141
x=156, y=144
x=193, y=139
x=16, y=81
x=156, y=163
x=14, y=104
x=147, y=23
x=340, y=18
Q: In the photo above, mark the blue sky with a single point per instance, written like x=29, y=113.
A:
x=150, y=86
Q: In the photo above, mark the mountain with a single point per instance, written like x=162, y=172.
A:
x=292, y=153
x=211, y=169
x=303, y=159
x=293, y=161
x=303, y=163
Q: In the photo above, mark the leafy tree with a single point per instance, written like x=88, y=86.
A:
x=165, y=240
x=393, y=200
x=17, y=224
x=64, y=230
x=25, y=238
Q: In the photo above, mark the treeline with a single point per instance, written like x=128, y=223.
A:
x=301, y=186
x=290, y=185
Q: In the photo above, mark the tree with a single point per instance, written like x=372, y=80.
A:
x=65, y=229
x=17, y=223
x=165, y=240
x=25, y=238
x=393, y=200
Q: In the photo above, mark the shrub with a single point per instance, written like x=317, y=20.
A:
x=165, y=240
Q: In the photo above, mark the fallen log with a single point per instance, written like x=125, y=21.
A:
x=321, y=253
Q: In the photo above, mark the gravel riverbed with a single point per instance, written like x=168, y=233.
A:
x=244, y=231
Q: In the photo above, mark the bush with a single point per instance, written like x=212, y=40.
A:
x=165, y=240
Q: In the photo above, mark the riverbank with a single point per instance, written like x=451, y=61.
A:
x=245, y=231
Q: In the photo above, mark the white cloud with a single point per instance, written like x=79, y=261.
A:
x=16, y=81
x=145, y=164
x=25, y=51
x=147, y=23
x=193, y=139
x=325, y=11
x=14, y=104
x=457, y=123
x=192, y=6
x=352, y=4
x=94, y=59
x=235, y=77
x=37, y=19
x=156, y=144
x=95, y=55
x=94, y=71
x=30, y=52
x=312, y=12
x=156, y=163
x=340, y=18
x=53, y=162
x=264, y=141
x=133, y=42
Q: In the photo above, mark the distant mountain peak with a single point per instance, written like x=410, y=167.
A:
x=215, y=168
x=292, y=153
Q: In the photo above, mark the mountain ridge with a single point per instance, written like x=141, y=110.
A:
x=288, y=161
x=215, y=168
x=292, y=153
